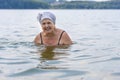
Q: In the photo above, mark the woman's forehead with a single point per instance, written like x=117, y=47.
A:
x=46, y=20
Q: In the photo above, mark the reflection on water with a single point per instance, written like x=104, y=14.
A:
x=48, y=53
x=51, y=55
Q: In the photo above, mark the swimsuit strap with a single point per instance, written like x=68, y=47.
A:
x=41, y=38
x=60, y=37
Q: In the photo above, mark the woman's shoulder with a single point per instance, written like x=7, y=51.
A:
x=37, y=38
x=60, y=30
x=65, y=38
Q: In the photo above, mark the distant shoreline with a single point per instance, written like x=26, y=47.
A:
x=31, y=4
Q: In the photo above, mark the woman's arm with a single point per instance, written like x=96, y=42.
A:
x=66, y=39
x=37, y=39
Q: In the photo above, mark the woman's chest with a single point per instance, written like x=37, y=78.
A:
x=51, y=41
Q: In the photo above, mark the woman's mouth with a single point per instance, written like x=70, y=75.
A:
x=47, y=28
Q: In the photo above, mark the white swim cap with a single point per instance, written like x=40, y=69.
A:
x=46, y=15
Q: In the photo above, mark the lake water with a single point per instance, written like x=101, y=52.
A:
x=95, y=54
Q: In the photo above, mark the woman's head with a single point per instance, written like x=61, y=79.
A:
x=47, y=21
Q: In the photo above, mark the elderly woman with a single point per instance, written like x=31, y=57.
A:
x=50, y=35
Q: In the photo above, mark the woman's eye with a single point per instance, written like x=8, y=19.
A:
x=43, y=23
x=49, y=23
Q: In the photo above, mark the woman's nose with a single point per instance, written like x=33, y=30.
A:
x=46, y=25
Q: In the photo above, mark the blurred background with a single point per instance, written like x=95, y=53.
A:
x=59, y=4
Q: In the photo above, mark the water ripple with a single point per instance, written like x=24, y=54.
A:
x=108, y=60
x=15, y=62
x=69, y=73
x=116, y=74
x=27, y=72
x=79, y=50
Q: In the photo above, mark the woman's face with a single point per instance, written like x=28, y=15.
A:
x=47, y=26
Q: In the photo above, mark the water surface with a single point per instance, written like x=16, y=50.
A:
x=95, y=54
